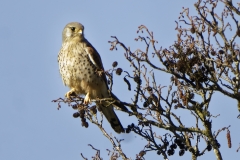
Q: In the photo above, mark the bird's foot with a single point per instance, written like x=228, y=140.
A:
x=99, y=72
x=70, y=93
x=87, y=99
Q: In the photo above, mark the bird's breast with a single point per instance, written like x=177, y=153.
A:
x=76, y=69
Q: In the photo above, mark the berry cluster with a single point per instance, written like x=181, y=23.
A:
x=81, y=114
x=129, y=128
x=173, y=146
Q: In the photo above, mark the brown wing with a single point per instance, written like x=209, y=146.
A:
x=96, y=60
x=107, y=111
x=94, y=57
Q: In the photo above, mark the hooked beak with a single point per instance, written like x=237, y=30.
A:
x=80, y=31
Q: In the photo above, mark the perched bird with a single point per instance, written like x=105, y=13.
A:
x=82, y=71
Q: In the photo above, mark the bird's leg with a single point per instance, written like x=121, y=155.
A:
x=87, y=99
x=70, y=93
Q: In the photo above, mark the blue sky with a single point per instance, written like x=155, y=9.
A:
x=30, y=38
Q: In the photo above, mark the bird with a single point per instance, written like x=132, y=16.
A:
x=81, y=69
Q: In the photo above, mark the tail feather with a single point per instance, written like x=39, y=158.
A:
x=119, y=105
x=112, y=118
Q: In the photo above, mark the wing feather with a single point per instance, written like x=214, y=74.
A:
x=96, y=60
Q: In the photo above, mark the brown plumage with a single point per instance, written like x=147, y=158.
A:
x=81, y=69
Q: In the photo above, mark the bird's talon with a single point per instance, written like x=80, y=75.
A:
x=70, y=93
x=87, y=99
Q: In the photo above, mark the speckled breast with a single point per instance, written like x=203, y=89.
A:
x=76, y=69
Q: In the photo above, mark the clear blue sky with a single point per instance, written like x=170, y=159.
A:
x=31, y=127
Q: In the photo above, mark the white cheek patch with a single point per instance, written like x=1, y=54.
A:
x=68, y=33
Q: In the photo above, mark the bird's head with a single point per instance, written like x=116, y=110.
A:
x=73, y=30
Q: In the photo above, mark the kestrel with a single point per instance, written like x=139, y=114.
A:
x=82, y=71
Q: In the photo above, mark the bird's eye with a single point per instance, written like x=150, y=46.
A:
x=73, y=28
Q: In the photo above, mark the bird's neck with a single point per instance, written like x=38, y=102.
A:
x=75, y=39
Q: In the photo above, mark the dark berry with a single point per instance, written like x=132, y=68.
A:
x=115, y=64
x=137, y=80
x=83, y=119
x=145, y=104
x=86, y=124
x=170, y=152
x=181, y=152
x=76, y=114
x=149, y=88
x=132, y=125
x=220, y=51
x=181, y=146
x=209, y=147
x=81, y=115
x=75, y=106
x=173, y=146
x=166, y=143
x=175, y=101
x=119, y=71
x=128, y=130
